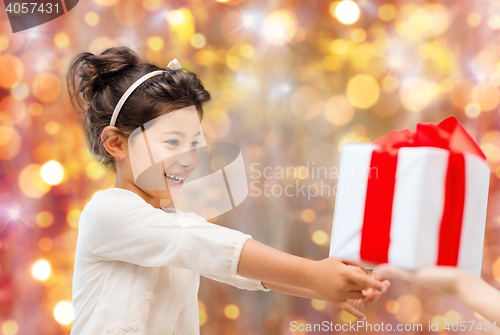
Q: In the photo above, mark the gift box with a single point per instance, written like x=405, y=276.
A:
x=413, y=199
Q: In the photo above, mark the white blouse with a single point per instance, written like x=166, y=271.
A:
x=137, y=268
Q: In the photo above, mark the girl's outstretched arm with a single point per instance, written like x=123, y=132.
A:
x=471, y=290
x=328, y=279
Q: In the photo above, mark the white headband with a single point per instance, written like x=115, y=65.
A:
x=173, y=65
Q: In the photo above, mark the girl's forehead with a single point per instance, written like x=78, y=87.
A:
x=180, y=118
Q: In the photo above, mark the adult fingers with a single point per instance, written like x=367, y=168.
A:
x=363, y=281
x=390, y=271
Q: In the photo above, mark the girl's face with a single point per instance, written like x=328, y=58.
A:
x=166, y=145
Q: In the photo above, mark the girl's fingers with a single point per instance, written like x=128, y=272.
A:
x=354, y=295
x=362, y=281
x=351, y=309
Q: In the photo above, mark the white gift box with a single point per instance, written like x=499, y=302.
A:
x=417, y=207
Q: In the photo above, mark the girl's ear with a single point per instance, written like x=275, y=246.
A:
x=114, y=143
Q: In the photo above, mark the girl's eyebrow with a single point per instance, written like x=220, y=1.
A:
x=180, y=133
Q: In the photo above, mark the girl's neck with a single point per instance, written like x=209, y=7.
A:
x=120, y=183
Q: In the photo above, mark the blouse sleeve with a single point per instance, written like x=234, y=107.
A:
x=241, y=282
x=124, y=227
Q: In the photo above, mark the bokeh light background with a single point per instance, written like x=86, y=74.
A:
x=291, y=82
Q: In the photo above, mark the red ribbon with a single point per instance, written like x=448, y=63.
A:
x=449, y=135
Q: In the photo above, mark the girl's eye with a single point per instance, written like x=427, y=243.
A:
x=195, y=144
x=173, y=142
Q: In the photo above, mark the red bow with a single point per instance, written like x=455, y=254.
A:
x=449, y=134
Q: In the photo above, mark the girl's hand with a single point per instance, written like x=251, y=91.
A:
x=346, y=285
x=445, y=279
x=370, y=295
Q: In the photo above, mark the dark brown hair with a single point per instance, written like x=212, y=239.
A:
x=97, y=82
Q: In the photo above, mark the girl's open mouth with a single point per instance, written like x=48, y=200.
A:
x=174, y=180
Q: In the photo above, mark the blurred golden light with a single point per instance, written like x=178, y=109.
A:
x=155, y=43
x=4, y=43
x=340, y=47
x=64, y=312
x=318, y=304
x=347, y=317
x=217, y=125
x=73, y=218
x=152, y=5
x=31, y=182
x=461, y=94
x=308, y=215
x=496, y=270
x=13, y=213
x=106, y=2
x=52, y=172
x=176, y=17
x=61, y=40
x=279, y=27
x=95, y=170
x=11, y=142
x=494, y=22
x=198, y=41
x=247, y=50
x=210, y=212
x=6, y=134
x=254, y=151
x=392, y=306
x=453, y=316
x=45, y=244
x=474, y=19
x=495, y=78
x=41, y=270
x=363, y=91
x=46, y=87
x=300, y=172
x=129, y=13
x=10, y=327
x=346, y=11
x=44, y=219
x=92, y=19
x=13, y=110
x=319, y=237
x=440, y=321
x=20, y=91
x=306, y=103
x=231, y=312
x=232, y=62
x=390, y=83
x=35, y=108
x=490, y=144
x=99, y=44
x=416, y=94
x=386, y=105
x=52, y=127
x=472, y=110
x=410, y=309
x=214, y=193
x=202, y=312
x=12, y=70
x=486, y=95
x=338, y=110
x=332, y=63
x=387, y=12
x=358, y=35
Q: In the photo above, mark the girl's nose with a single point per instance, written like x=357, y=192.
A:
x=189, y=158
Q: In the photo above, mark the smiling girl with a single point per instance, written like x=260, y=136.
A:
x=129, y=276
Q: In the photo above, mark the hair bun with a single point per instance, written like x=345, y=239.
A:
x=97, y=71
